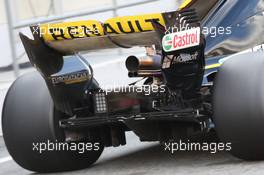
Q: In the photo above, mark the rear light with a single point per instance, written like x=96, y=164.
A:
x=100, y=103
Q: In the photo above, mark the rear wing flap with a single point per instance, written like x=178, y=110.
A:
x=129, y=31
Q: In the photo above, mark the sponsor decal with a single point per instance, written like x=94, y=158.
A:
x=183, y=58
x=132, y=24
x=70, y=30
x=181, y=40
x=167, y=42
x=92, y=28
x=71, y=78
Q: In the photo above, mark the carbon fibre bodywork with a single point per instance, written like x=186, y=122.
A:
x=246, y=18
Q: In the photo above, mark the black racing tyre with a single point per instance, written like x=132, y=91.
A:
x=239, y=105
x=29, y=117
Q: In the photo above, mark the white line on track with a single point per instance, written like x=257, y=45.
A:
x=5, y=159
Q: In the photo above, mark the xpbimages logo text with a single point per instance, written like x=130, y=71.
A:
x=212, y=31
x=71, y=32
x=81, y=147
x=145, y=89
x=212, y=147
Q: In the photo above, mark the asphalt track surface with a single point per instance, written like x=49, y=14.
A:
x=137, y=158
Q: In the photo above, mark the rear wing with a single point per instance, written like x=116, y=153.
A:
x=126, y=32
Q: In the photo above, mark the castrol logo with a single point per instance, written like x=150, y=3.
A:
x=181, y=40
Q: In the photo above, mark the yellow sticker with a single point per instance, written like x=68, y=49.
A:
x=185, y=4
x=132, y=24
x=212, y=66
x=71, y=30
x=92, y=28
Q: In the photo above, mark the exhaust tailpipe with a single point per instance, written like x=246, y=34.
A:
x=135, y=64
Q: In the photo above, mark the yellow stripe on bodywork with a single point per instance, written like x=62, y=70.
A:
x=92, y=28
x=185, y=4
x=70, y=30
x=213, y=66
x=134, y=24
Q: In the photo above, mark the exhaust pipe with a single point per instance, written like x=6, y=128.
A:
x=135, y=64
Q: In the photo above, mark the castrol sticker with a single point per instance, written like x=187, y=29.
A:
x=181, y=40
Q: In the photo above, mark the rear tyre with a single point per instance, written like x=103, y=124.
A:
x=239, y=105
x=29, y=117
